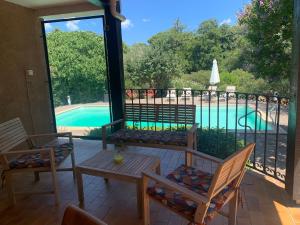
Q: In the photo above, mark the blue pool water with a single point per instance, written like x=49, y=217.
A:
x=96, y=116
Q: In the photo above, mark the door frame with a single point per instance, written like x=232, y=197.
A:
x=43, y=23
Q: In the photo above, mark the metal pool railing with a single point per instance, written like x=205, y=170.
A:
x=242, y=117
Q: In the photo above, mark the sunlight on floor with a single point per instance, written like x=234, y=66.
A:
x=283, y=214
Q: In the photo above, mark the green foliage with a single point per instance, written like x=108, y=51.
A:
x=150, y=67
x=78, y=67
x=252, y=52
x=269, y=31
x=96, y=133
x=213, y=41
x=244, y=81
x=195, y=80
x=177, y=58
x=216, y=142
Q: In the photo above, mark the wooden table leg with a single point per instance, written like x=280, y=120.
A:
x=139, y=192
x=79, y=186
x=158, y=169
x=10, y=189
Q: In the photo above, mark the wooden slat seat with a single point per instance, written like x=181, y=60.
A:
x=174, y=115
x=36, y=158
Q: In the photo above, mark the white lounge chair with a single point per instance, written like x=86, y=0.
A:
x=212, y=90
x=187, y=93
x=171, y=95
x=231, y=91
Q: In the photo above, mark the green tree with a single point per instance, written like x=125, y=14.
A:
x=152, y=68
x=78, y=67
x=133, y=59
x=222, y=42
x=155, y=65
x=269, y=31
x=174, y=41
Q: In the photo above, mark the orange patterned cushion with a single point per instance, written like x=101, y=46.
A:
x=195, y=180
x=37, y=160
x=150, y=137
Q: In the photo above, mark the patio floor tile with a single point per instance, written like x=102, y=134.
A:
x=264, y=199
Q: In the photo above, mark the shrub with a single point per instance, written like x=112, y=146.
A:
x=96, y=133
x=217, y=143
x=196, y=80
x=243, y=80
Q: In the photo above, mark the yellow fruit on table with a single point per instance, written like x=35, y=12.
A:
x=118, y=158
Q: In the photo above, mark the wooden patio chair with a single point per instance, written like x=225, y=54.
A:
x=197, y=195
x=76, y=216
x=35, y=158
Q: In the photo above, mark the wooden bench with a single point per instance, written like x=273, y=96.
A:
x=181, y=119
x=35, y=158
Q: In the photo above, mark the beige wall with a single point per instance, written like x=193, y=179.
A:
x=21, y=48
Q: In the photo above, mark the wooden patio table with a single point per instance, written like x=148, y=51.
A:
x=102, y=164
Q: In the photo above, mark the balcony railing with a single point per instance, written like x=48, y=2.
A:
x=233, y=118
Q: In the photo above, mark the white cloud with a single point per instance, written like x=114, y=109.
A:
x=127, y=24
x=227, y=21
x=146, y=20
x=72, y=25
x=48, y=27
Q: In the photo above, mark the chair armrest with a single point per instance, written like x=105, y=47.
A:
x=63, y=134
x=112, y=123
x=204, y=156
x=193, y=128
x=173, y=186
x=29, y=151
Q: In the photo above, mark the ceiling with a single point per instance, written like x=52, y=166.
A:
x=37, y=4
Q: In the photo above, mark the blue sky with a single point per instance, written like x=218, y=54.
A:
x=148, y=17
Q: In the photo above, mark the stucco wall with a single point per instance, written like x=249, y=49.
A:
x=21, y=49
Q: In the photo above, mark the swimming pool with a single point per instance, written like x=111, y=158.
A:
x=96, y=116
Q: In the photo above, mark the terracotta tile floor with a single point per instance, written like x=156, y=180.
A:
x=264, y=200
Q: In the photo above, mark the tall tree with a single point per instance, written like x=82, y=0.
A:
x=78, y=67
x=269, y=31
x=212, y=40
x=175, y=42
x=150, y=67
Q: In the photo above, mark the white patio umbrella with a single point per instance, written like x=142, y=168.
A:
x=215, y=76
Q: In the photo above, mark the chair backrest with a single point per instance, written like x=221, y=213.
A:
x=187, y=92
x=12, y=133
x=160, y=113
x=230, y=89
x=231, y=169
x=171, y=93
x=76, y=216
x=212, y=88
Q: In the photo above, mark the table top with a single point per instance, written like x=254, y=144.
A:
x=132, y=165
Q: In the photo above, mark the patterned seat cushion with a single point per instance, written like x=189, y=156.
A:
x=37, y=160
x=195, y=180
x=150, y=137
